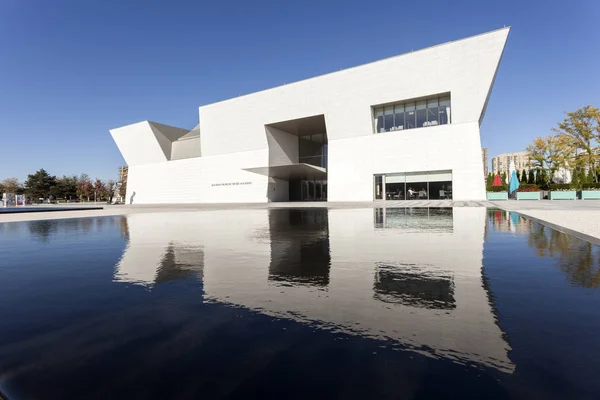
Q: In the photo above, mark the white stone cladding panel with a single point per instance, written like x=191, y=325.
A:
x=186, y=148
x=456, y=147
x=138, y=144
x=191, y=180
x=464, y=68
x=283, y=147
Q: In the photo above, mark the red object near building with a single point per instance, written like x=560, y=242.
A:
x=497, y=181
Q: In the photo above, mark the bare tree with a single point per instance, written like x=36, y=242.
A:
x=110, y=187
x=84, y=187
x=10, y=185
x=99, y=189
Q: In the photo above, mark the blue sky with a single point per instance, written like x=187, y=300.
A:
x=70, y=70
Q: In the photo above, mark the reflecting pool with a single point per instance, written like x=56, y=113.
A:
x=302, y=303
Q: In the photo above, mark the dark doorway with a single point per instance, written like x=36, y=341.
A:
x=308, y=189
x=295, y=190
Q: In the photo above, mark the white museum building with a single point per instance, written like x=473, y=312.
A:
x=406, y=127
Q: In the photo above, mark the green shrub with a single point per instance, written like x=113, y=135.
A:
x=496, y=189
x=591, y=186
x=526, y=187
x=560, y=186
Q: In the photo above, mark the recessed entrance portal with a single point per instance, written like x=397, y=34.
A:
x=298, y=155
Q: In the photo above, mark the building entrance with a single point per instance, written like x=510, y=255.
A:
x=308, y=190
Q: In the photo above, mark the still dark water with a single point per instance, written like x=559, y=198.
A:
x=416, y=304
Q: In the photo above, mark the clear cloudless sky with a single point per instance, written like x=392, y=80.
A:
x=70, y=70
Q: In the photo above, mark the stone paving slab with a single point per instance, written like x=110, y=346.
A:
x=574, y=216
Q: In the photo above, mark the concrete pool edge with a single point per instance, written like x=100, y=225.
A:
x=574, y=217
x=595, y=240
x=41, y=209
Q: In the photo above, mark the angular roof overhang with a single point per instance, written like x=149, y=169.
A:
x=291, y=171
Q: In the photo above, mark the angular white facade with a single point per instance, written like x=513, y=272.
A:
x=247, y=149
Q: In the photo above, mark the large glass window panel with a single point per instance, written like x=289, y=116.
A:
x=395, y=187
x=412, y=177
x=304, y=146
x=416, y=185
x=378, y=187
x=388, y=118
x=444, y=109
x=379, y=120
x=439, y=176
x=432, y=112
x=399, y=116
x=413, y=114
x=316, y=144
x=395, y=178
x=421, y=113
x=410, y=116
x=441, y=190
x=304, y=191
x=318, y=190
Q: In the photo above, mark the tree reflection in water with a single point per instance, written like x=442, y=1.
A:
x=577, y=259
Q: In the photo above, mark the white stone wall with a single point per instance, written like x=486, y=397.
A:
x=456, y=147
x=217, y=179
x=185, y=148
x=465, y=68
x=283, y=147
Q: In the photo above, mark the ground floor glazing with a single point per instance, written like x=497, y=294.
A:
x=422, y=185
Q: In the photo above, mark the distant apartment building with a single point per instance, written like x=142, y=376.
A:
x=484, y=158
x=501, y=162
x=582, y=156
x=121, y=182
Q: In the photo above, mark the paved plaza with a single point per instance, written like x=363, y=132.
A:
x=577, y=217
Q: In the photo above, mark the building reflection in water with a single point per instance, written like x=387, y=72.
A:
x=412, y=279
x=414, y=286
x=420, y=219
x=577, y=259
x=299, y=247
x=151, y=257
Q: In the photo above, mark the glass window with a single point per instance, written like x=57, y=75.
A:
x=444, y=110
x=395, y=187
x=378, y=187
x=304, y=146
x=407, y=115
x=432, y=112
x=318, y=191
x=410, y=115
x=316, y=144
x=388, y=118
x=379, y=120
x=421, y=113
x=399, y=116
